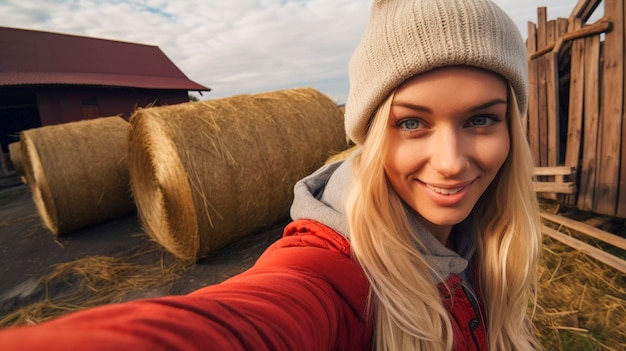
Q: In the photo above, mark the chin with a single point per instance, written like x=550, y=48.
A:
x=447, y=220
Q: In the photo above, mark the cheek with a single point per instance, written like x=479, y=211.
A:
x=498, y=151
x=400, y=157
x=395, y=162
x=390, y=166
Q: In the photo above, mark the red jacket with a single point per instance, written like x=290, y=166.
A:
x=304, y=293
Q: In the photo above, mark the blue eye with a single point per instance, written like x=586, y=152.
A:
x=410, y=124
x=482, y=121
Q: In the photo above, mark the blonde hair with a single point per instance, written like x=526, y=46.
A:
x=406, y=304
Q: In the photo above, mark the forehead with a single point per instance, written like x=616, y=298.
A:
x=454, y=81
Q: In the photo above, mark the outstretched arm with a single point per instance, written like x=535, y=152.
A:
x=303, y=293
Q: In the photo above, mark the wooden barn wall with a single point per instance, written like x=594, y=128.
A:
x=576, y=104
x=66, y=104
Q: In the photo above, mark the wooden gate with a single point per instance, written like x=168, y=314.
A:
x=576, y=101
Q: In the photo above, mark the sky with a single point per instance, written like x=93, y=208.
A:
x=237, y=46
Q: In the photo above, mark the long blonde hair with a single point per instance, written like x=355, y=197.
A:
x=407, y=307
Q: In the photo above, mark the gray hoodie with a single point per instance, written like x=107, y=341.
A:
x=322, y=196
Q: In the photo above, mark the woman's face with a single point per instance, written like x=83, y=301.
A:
x=447, y=137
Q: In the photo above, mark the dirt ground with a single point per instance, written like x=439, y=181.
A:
x=29, y=252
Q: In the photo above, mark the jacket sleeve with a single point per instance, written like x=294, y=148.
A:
x=304, y=293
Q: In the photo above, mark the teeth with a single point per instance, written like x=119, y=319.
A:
x=445, y=191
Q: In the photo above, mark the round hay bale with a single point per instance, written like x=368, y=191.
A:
x=206, y=173
x=15, y=153
x=78, y=172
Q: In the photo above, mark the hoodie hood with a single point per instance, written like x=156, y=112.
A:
x=322, y=197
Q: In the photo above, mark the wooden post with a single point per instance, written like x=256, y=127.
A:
x=612, y=111
x=575, y=109
x=552, y=98
x=542, y=38
x=621, y=199
x=552, y=94
x=590, y=159
x=533, y=98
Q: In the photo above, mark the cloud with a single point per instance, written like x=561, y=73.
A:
x=236, y=46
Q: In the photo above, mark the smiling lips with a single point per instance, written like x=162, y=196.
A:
x=444, y=191
x=447, y=191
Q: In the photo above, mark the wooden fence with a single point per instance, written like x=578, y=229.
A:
x=576, y=102
x=588, y=232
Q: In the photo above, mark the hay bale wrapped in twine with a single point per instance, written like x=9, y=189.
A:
x=78, y=172
x=206, y=173
x=15, y=153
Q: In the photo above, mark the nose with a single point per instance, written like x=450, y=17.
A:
x=450, y=152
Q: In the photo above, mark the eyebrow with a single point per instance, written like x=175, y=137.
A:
x=482, y=106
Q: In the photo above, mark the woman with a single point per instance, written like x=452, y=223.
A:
x=425, y=238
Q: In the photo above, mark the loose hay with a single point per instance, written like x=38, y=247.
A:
x=78, y=172
x=581, y=302
x=90, y=282
x=206, y=173
x=15, y=153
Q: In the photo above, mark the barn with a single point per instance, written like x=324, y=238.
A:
x=51, y=78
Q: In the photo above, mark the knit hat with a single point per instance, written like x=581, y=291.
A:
x=406, y=37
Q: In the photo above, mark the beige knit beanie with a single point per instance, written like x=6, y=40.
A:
x=406, y=37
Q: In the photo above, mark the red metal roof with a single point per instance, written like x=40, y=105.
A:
x=30, y=57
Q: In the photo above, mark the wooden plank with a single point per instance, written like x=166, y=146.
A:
x=561, y=27
x=589, y=162
x=561, y=46
x=552, y=92
x=558, y=170
x=584, y=9
x=556, y=183
x=604, y=257
x=575, y=108
x=542, y=39
x=621, y=196
x=611, y=111
x=554, y=187
x=601, y=26
x=586, y=229
x=533, y=94
x=552, y=98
